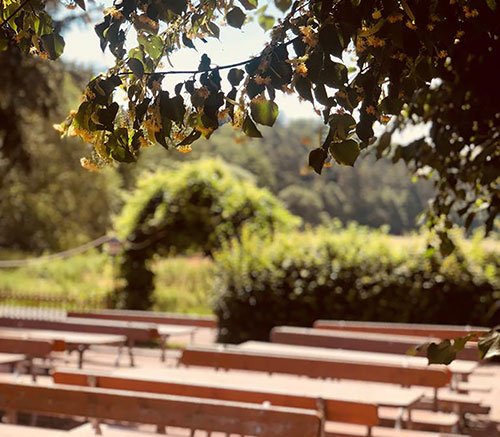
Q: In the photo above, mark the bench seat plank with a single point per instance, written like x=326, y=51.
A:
x=162, y=410
x=359, y=412
x=459, y=367
x=334, y=429
x=416, y=329
x=360, y=341
x=149, y=317
x=378, y=394
x=317, y=366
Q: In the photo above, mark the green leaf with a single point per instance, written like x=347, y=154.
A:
x=249, y=4
x=342, y=125
x=345, y=152
x=118, y=146
x=204, y=63
x=235, y=17
x=264, y=111
x=303, y=87
x=81, y=3
x=492, y=4
x=106, y=116
x=408, y=10
x=391, y=106
x=191, y=138
x=214, y=29
x=153, y=45
x=446, y=246
x=53, y=44
x=441, y=353
x=176, y=6
x=330, y=40
x=250, y=129
x=136, y=67
x=235, y=76
x=266, y=22
x=489, y=345
x=283, y=5
x=172, y=108
x=317, y=158
x=187, y=42
x=384, y=142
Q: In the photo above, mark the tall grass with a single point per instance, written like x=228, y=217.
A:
x=182, y=284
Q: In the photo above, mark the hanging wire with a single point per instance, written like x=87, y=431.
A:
x=4, y=264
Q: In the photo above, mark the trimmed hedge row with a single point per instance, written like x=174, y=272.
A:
x=352, y=274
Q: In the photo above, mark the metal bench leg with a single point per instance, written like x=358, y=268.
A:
x=163, y=345
x=435, y=400
x=409, y=421
x=161, y=429
x=119, y=355
x=130, y=345
x=321, y=407
x=11, y=417
x=80, y=351
x=97, y=427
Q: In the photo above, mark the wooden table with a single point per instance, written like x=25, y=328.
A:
x=74, y=341
x=12, y=359
x=379, y=394
x=167, y=331
x=458, y=367
x=30, y=431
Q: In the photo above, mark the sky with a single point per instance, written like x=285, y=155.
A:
x=82, y=48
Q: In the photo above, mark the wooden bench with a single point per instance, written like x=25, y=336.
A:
x=361, y=341
x=413, y=329
x=12, y=361
x=234, y=358
x=67, y=340
x=331, y=401
x=160, y=410
x=460, y=369
x=30, y=349
x=333, y=409
x=149, y=317
x=134, y=332
x=317, y=367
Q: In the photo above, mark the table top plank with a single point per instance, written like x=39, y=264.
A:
x=379, y=394
x=69, y=337
x=11, y=358
x=459, y=367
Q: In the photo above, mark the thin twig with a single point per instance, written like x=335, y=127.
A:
x=222, y=67
x=22, y=5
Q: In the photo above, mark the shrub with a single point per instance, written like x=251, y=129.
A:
x=348, y=273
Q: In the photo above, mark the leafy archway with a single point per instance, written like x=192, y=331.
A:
x=195, y=207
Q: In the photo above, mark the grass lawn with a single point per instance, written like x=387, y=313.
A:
x=182, y=284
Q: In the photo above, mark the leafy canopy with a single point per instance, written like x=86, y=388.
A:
x=413, y=62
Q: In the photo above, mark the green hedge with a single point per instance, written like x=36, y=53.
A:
x=352, y=274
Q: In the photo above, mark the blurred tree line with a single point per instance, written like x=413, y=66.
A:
x=47, y=201
x=373, y=193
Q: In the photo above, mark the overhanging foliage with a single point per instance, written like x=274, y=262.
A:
x=415, y=62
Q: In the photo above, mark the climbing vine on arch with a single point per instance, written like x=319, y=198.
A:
x=195, y=207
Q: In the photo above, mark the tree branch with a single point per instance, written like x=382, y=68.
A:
x=22, y=5
x=222, y=67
